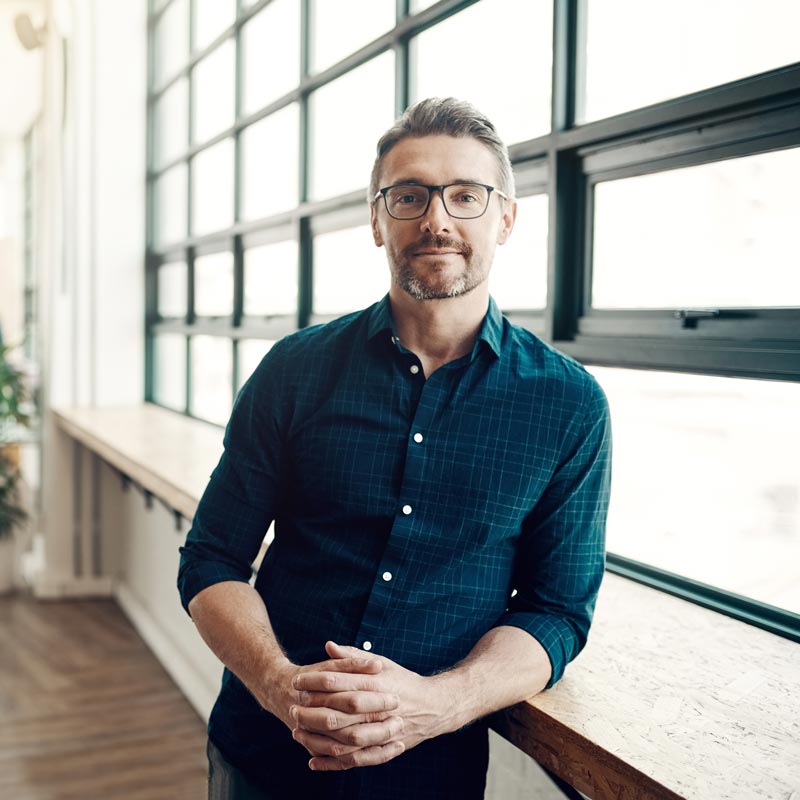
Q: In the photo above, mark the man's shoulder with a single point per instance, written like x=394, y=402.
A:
x=535, y=360
x=326, y=335
x=314, y=350
x=321, y=340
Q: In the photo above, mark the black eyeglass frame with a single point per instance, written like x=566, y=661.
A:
x=440, y=188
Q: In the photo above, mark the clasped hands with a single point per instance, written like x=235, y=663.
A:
x=358, y=709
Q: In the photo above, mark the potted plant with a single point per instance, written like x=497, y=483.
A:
x=15, y=414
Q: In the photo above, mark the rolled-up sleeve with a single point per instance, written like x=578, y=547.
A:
x=241, y=498
x=561, y=556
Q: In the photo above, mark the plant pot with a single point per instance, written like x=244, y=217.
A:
x=6, y=564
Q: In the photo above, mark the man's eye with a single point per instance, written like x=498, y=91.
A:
x=467, y=197
x=405, y=199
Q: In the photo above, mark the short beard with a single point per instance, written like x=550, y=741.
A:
x=420, y=289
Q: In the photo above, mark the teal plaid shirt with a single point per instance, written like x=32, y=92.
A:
x=411, y=515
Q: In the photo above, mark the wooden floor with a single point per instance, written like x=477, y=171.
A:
x=86, y=711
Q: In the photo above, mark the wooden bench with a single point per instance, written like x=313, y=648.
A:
x=668, y=700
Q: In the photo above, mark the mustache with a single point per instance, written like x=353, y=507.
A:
x=440, y=242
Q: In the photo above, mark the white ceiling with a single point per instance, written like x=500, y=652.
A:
x=20, y=70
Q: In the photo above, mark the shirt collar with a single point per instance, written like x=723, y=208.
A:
x=491, y=332
x=380, y=319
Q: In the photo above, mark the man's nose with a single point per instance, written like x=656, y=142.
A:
x=436, y=218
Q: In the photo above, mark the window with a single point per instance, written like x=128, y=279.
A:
x=655, y=150
x=707, y=467
x=716, y=235
x=679, y=47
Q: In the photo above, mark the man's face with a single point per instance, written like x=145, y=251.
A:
x=438, y=256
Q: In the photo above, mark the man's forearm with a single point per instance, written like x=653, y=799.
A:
x=507, y=665
x=234, y=623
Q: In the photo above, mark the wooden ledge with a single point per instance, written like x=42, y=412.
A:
x=166, y=453
x=668, y=700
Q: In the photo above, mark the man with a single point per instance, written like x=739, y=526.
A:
x=439, y=483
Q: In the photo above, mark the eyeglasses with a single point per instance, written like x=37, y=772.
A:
x=461, y=200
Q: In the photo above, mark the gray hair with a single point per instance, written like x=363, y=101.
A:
x=447, y=116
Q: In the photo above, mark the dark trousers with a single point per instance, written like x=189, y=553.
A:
x=226, y=782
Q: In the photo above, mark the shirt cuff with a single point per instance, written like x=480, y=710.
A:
x=193, y=578
x=554, y=634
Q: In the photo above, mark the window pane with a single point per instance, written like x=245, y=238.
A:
x=214, y=81
x=169, y=377
x=506, y=76
x=721, y=234
x=269, y=166
x=350, y=273
x=642, y=53
x=212, y=188
x=342, y=154
x=343, y=27
x=170, y=206
x=705, y=479
x=212, y=370
x=270, y=279
x=171, y=41
x=171, y=121
x=518, y=279
x=172, y=290
x=271, y=41
x=213, y=285
x=251, y=351
x=211, y=17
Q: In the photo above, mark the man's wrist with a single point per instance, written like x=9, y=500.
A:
x=274, y=686
x=452, y=699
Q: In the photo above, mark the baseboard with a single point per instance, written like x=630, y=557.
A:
x=50, y=587
x=180, y=669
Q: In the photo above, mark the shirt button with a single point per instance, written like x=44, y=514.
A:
x=413, y=369
x=417, y=437
x=387, y=576
x=406, y=510
x=367, y=646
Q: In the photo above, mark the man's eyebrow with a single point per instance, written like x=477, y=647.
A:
x=418, y=181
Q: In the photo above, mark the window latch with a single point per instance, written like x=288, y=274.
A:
x=689, y=317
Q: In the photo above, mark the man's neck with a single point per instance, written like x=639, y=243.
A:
x=438, y=331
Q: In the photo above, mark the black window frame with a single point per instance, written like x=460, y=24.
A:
x=753, y=115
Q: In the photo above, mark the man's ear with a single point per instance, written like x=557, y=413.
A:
x=507, y=220
x=373, y=221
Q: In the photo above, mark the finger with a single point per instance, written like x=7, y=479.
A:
x=334, y=681
x=317, y=745
x=350, y=702
x=356, y=736
x=369, y=756
x=361, y=663
x=335, y=650
x=325, y=719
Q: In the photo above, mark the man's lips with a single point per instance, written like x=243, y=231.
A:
x=429, y=252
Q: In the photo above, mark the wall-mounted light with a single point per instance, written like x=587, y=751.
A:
x=29, y=35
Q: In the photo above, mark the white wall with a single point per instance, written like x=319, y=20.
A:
x=92, y=248
x=20, y=103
